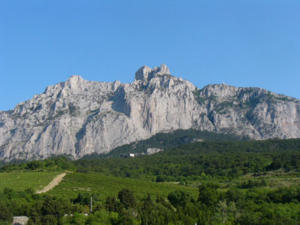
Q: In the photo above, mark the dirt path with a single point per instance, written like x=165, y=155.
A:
x=52, y=184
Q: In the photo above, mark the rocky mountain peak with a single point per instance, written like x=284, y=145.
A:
x=162, y=69
x=145, y=73
x=75, y=80
x=79, y=117
x=75, y=83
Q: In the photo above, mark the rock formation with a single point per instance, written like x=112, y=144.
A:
x=79, y=117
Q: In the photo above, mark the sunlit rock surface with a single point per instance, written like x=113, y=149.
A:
x=79, y=117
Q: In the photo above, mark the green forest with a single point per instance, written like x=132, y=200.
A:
x=210, y=182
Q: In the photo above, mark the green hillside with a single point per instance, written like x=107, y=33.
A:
x=209, y=182
x=167, y=141
x=19, y=180
x=105, y=186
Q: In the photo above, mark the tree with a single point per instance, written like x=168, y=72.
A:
x=179, y=198
x=5, y=213
x=127, y=198
x=49, y=220
x=54, y=207
x=112, y=205
x=208, y=194
x=148, y=212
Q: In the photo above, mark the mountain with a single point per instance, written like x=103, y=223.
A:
x=79, y=117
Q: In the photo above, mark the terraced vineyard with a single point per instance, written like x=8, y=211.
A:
x=74, y=183
x=110, y=186
x=20, y=181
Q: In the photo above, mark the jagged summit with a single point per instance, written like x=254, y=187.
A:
x=75, y=78
x=79, y=117
x=75, y=82
x=145, y=73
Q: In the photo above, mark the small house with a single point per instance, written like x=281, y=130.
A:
x=20, y=220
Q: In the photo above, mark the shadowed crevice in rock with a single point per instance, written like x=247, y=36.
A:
x=120, y=103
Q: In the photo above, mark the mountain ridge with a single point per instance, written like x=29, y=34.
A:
x=79, y=117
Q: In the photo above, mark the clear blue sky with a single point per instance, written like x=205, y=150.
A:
x=242, y=43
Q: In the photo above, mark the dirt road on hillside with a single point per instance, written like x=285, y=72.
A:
x=52, y=184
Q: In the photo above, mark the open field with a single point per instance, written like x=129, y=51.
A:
x=23, y=180
x=76, y=183
x=273, y=179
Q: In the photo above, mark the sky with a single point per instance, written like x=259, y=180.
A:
x=249, y=43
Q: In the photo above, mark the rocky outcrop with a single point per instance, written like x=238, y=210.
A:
x=79, y=117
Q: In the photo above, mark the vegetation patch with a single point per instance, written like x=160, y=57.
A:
x=25, y=180
x=105, y=186
x=210, y=182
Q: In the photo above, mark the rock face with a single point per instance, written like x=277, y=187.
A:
x=80, y=117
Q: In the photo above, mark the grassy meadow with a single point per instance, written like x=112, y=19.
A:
x=22, y=180
x=74, y=183
x=105, y=186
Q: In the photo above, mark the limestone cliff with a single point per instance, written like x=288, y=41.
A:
x=79, y=117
